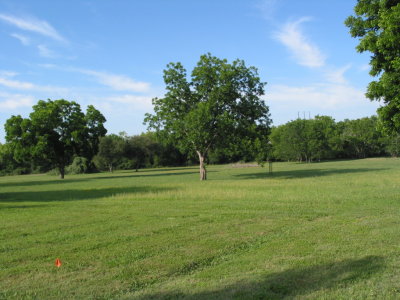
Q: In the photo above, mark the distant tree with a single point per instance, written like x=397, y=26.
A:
x=140, y=148
x=78, y=166
x=166, y=153
x=277, y=140
x=361, y=138
x=94, y=130
x=290, y=141
x=19, y=138
x=111, y=151
x=263, y=150
x=55, y=132
x=7, y=162
x=304, y=140
x=392, y=143
x=320, y=136
x=377, y=24
x=298, y=136
x=217, y=108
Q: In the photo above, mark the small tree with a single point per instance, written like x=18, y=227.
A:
x=140, y=149
x=219, y=106
x=111, y=150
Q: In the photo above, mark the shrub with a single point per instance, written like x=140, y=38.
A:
x=79, y=165
x=20, y=171
x=54, y=172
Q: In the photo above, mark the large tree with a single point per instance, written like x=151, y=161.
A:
x=55, y=132
x=377, y=24
x=217, y=107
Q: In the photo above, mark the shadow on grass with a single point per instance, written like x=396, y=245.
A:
x=73, y=195
x=140, y=174
x=57, y=181
x=305, y=173
x=4, y=206
x=290, y=283
x=165, y=169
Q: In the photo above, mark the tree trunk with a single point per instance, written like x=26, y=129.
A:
x=203, y=171
x=62, y=171
x=110, y=167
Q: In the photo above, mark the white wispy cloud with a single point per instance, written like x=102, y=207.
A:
x=14, y=101
x=15, y=84
x=365, y=67
x=117, y=82
x=44, y=51
x=33, y=25
x=303, y=51
x=6, y=80
x=4, y=73
x=317, y=96
x=23, y=39
x=332, y=91
x=267, y=8
x=48, y=66
x=140, y=102
x=336, y=75
x=340, y=101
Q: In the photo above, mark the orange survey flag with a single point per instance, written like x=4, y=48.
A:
x=58, y=263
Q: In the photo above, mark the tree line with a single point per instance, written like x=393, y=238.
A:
x=60, y=138
x=322, y=138
x=301, y=140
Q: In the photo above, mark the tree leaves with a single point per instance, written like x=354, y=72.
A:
x=218, y=106
x=377, y=25
x=54, y=132
x=221, y=101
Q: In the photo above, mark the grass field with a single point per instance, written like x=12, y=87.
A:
x=311, y=231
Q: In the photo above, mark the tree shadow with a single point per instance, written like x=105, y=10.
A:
x=289, y=283
x=139, y=174
x=44, y=182
x=4, y=206
x=74, y=195
x=57, y=181
x=164, y=169
x=305, y=173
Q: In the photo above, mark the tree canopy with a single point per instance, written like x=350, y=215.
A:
x=377, y=24
x=55, y=132
x=111, y=150
x=322, y=138
x=217, y=107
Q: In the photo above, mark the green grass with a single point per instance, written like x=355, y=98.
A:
x=311, y=231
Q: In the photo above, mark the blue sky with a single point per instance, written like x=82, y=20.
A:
x=112, y=53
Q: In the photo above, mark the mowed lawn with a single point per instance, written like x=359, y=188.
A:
x=311, y=231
